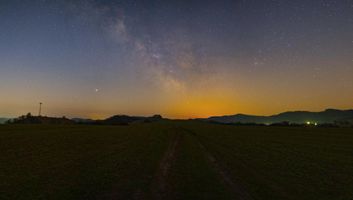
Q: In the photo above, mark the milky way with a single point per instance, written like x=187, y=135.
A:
x=176, y=58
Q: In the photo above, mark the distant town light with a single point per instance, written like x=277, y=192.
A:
x=315, y=124
x=308, y=123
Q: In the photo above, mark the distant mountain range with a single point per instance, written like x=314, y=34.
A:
x=124, y=119
x=82, y=120
x=119, y=120
x=329, y=116
x=300, y=117
x=114, y=120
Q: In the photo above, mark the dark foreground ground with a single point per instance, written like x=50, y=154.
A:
x=175, y=160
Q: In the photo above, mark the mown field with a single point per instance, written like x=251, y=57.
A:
x=175, y=160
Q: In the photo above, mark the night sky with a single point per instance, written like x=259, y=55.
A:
x=176, y=58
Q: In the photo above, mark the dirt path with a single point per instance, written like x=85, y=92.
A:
x=160, y=188
x=238, y=192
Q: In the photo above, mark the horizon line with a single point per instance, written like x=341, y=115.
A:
x=186, y=118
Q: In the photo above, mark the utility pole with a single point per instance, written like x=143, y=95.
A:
x=40, y=109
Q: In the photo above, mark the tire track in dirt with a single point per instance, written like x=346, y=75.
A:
x=238, y=192
x=160, y=188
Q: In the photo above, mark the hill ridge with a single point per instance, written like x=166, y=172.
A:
x=326, y=116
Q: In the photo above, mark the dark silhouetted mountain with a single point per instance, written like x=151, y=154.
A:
x=300, y=117
x=125, y=119
x=115, y=120
x=83, y=120
x=122, y=119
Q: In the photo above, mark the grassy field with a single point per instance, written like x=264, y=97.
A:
x=175, y=160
